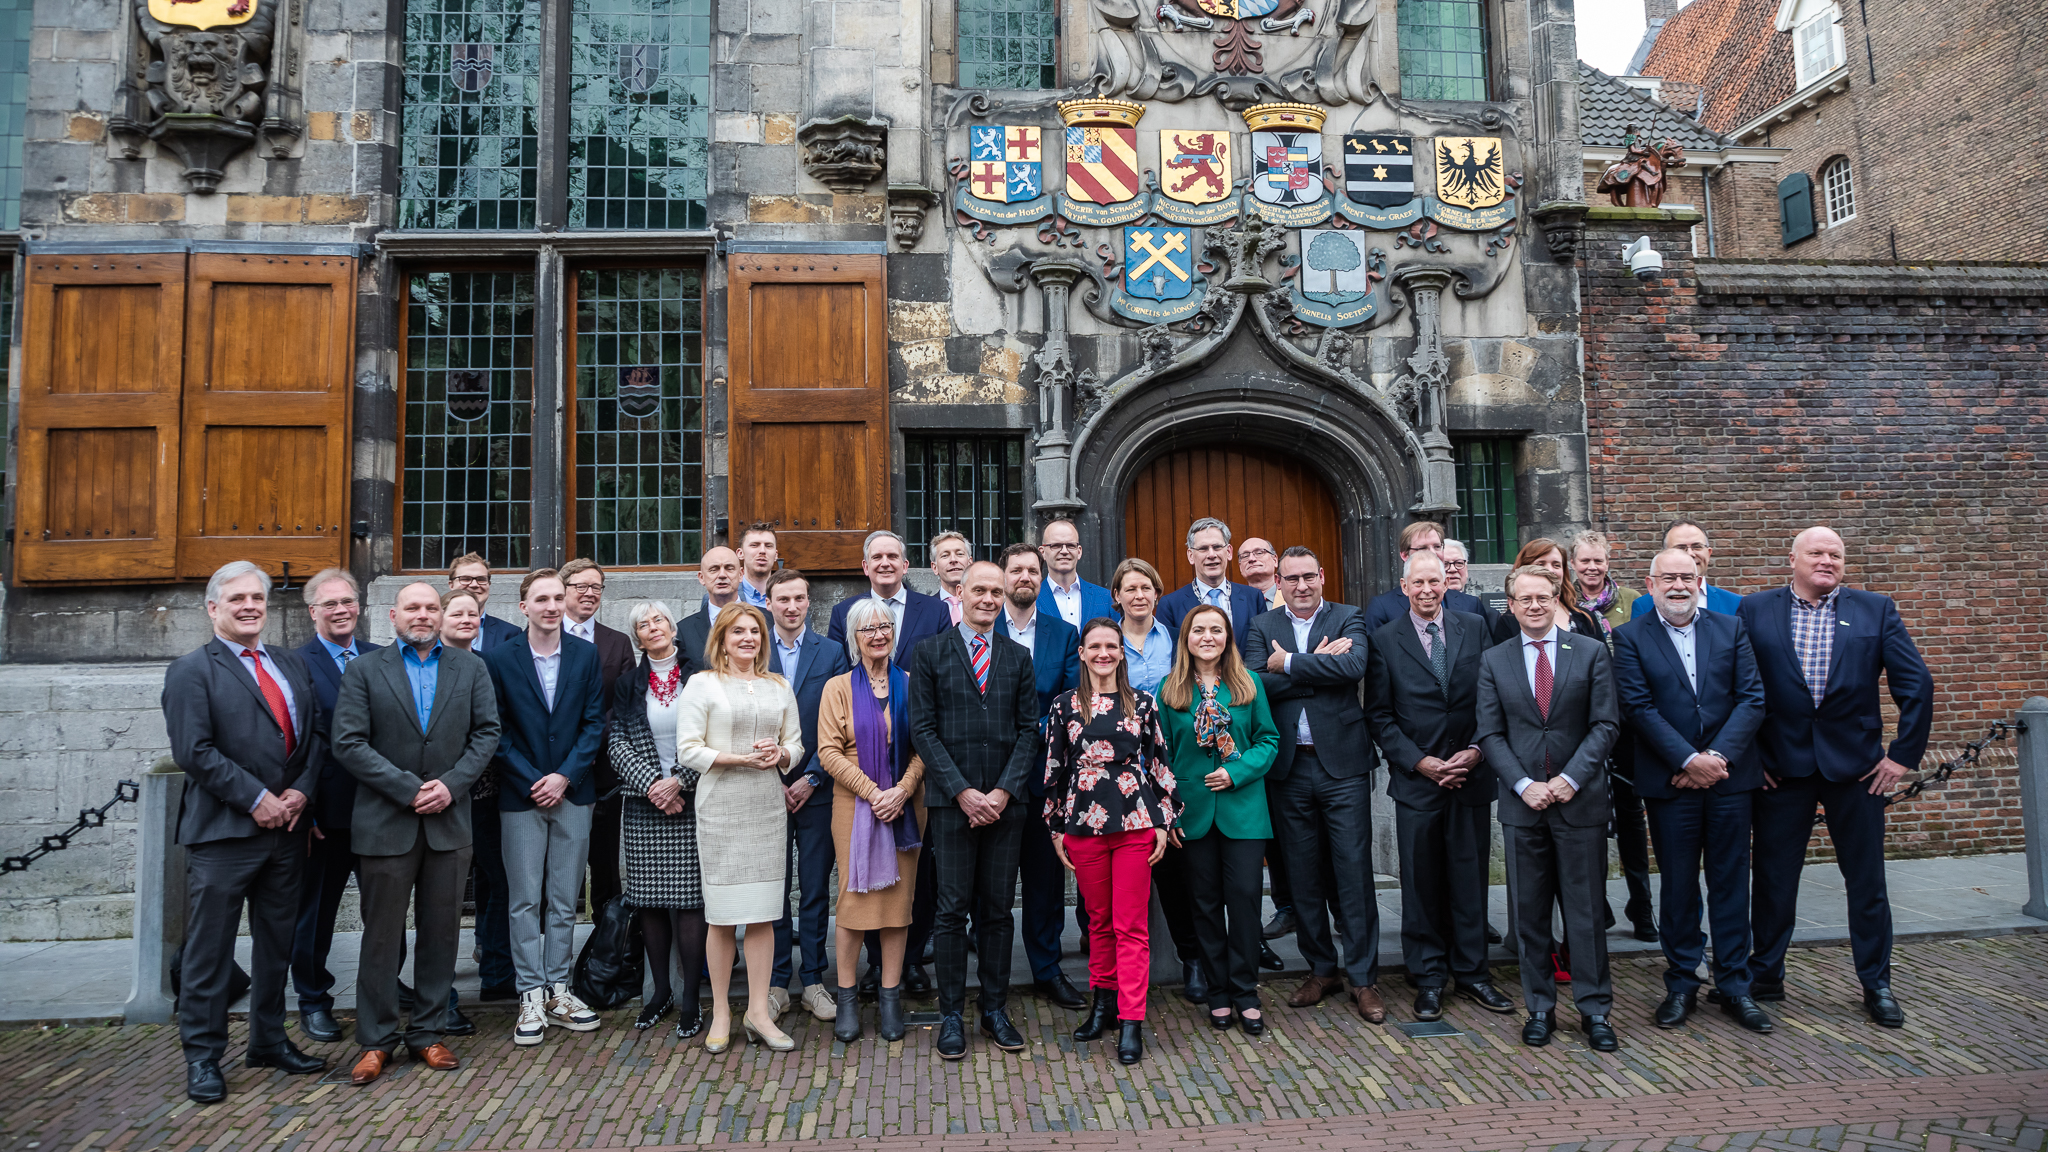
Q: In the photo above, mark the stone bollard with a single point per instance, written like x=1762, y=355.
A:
x=159, y=896
x=2033, y=758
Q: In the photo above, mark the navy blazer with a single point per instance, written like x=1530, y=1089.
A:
x=337, y=787
x=1095, y=601
x=495, y=632
x=818, y=661
x=1388, y=607
x=536, y=741
x=1719, y=599
x=1245, y=603
x=1841, y=737
x=1671, y=723
x=923, y=616
x=1055, y=666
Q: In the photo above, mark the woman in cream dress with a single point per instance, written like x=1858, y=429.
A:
x=737, y=728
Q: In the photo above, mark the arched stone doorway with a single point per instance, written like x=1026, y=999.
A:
x=1257, y=491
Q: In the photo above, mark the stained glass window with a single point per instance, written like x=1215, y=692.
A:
x=16, y=16
x=640, y=113
x=1443, y=49
x=1486, y=500
x=639, y=417
x=469, y=154
x=467, y=469
x=970, y=484
x=1009, y=44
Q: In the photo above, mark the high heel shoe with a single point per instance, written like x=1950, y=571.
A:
x=775, y=1038
x=716, y=1042
x=1220, y=1023
x=652, y=1012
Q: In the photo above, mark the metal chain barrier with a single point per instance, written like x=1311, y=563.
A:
x=1972, y=751
x=125, y=792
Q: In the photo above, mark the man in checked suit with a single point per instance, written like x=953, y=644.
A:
x=240, y=718
x=1421, y=689
x=1311, y=655
x=1547, y=720
x=974, y=720
x=1820, y=647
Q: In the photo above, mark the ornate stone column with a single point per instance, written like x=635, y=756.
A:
x=1424, y=385
x=1055, y=279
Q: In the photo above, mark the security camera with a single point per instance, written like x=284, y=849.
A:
x=1643, y=260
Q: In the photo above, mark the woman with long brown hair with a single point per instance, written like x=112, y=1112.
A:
x=1543, y=552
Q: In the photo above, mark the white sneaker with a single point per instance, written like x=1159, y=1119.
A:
x=778, y=1001
x=566, y=1011
x=819, y=1000
x=532, y=1018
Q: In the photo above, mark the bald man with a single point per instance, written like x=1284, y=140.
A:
x=1820, y=647
x=720, y=572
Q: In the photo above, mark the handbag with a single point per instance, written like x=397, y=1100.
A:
x=610, y=967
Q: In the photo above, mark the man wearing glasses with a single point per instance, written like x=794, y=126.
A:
x=1688, y=537
x=616, y=656
x=1259, y=564
x=1209, y=555
x=472, y=574
x=1065, y=594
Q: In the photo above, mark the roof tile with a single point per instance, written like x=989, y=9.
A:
x=1608, y=108
x=1733, y=50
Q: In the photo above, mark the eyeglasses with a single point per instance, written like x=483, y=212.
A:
x=1454, y=563
x=1211, y=549
x=874, y=630
x=335, y=605
x=588, y=586
x=1667, y=579
x=1534, y=601
x=1248, y=553
x=1062, y=547
x=1302, y=578
x=470, y=581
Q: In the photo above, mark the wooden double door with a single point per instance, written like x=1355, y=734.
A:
x=1257, y=492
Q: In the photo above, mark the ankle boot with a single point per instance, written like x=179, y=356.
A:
x=1099, y=1016
x=889, y=1013
x=846, y=1024
x=1130, y=1041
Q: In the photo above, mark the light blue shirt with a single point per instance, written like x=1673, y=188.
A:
x=549, y=669
x=788, y=653
x=749, y=596
x=1302, y=629
x=1218, y=595
x=342, y=655
x=424, y=676
x=1149, y=667
x=1683, y=640
x=291, y=701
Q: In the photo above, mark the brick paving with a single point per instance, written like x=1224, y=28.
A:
x=1969, y=1071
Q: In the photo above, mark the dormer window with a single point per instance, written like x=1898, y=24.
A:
x=1817, y=44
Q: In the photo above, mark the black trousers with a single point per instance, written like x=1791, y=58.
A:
x=220, y=876
x=605, y=834
x=1632, y=844
x=1783, y=819
x=977, y=873
x=430, y=882
x=1223, y=887
x=810, y=835
x=1444, y=854
x=1045, y=893
x=321, y=883
x=1171, y=879
x=1554, y=864
x=1329, y=861
x=1696, y=829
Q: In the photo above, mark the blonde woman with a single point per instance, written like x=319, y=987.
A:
x=462, y=617
x=738, y=728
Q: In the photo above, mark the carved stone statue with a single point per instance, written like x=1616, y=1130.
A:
x=1637, y=179
x=1240, y=51
x=206, y=92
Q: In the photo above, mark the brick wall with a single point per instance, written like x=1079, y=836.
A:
x=1909, y=416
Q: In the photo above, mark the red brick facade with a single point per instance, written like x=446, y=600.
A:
x=1913, y=419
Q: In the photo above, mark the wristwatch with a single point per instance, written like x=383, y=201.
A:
x=814, y=779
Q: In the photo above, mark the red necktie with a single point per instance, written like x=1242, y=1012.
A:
x=273, y=696
x=1542, y=678
x=978, y=657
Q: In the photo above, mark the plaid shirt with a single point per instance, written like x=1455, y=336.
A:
x=1813, y=638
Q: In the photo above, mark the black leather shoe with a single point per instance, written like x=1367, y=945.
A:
x=1220, y=1023
x=1282, y=924
x=952, y=1043
x=204, y=1083
x=458, y=1025
x=928, y=954
x=1675, y=1008
x=1194, y=982
x=1493, y=935
x=915, y=982
x=1253, y=1025
x=1600, y=1035
x=1743, y=1010
x=1536, y=1033
x=1099, y=1015
x=871, y=984
x=1269, y=959
x=1061, y=991
x=1429, y=1003
x=1489, y=997
x=1882, y=1008
x=285, y=1058
x=491, y=992
x=320, y=1025
x=1130, y=1042
x=997, y=1027
x=1646, y=931
x=1767, y=990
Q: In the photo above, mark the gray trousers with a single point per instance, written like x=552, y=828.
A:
x=1554, y=864
x=545, y=851
x=431, y=882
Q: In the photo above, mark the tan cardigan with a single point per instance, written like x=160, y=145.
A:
x=840, y=758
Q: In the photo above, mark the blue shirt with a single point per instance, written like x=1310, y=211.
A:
x=342, y=655
x=749, y=596
x=789, y=653
x=424, y=676
x=1149, y=667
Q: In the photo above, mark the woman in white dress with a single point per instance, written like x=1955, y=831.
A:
x=738, y=728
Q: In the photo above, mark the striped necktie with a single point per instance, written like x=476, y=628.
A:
x=1439, y=660
x=977, y=655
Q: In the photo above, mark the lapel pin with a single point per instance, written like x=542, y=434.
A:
x=1842, y=623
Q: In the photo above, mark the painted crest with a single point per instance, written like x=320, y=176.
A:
x=203, y=14
x=1470, y=171
x=469, y=66
x=1194, y=167
x=1379, y=169
x=639, y=391
x=1005, y=163
x=469, y=393
x=1102, y=164
x=639, y=66
x=1285, y=167
x=1238, y=9
x=1334, y=276
x=1159, y=262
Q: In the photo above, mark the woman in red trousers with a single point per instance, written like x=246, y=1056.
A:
x=1111, y=806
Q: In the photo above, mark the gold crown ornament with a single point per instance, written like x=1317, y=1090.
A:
x=1300, y=117
x=1098, y=112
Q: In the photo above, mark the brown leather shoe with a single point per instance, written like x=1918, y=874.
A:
x=1370, y=1005
x=1313, y=990
x=370, y=1066
x=437, y=1057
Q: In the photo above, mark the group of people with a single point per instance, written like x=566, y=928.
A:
x=1023, y=724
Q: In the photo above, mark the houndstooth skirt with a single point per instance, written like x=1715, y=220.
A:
x=662, y=870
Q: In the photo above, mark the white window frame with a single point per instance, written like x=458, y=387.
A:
x=1823, y=30
x=1838, y=191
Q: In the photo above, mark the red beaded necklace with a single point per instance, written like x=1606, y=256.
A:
x=666, y=685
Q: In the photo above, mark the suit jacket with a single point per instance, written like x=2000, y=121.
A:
x=535, y=741
x=616, y=656
x=1055, y=666
x=1580, y=731
x=1393, y=605
x=1841, y=737
x=1719, y=599
x=1245, y=606
x=228, y=744
x=923, y=616
x=1325, y=687
x=1669, y=722
x=693, y=632
x=818, y=661
x=495, y=632
x=378, y=740
x=968, y=738
x=1410, y=717
x=1095, y=601
x=337, y=788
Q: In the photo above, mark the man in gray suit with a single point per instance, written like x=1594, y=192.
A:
x=415, y=724
x=1547, y=717
x=240, y=717
x=1311, y=656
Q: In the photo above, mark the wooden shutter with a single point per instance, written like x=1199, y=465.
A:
x=808, y=447
x=1795, y=208
x=97, y=496
x=269, y=352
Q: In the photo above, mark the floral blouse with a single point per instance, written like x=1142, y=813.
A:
x=1111, y=774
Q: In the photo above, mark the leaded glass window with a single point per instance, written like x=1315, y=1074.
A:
x=971, y=484
x=639, y=417
x=469, y=154
x=16, y=16
x=1443, y=49
x=1486, y=520
x=467, y=470
x=640, y=113
x=1009, y=44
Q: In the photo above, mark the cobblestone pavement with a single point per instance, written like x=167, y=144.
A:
x=1970, y=1070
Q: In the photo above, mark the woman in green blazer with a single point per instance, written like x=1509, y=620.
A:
x=1221, y=738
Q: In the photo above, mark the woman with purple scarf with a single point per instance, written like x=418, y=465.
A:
x=877, y=814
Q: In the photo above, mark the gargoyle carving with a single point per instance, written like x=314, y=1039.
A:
x=206, y=93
